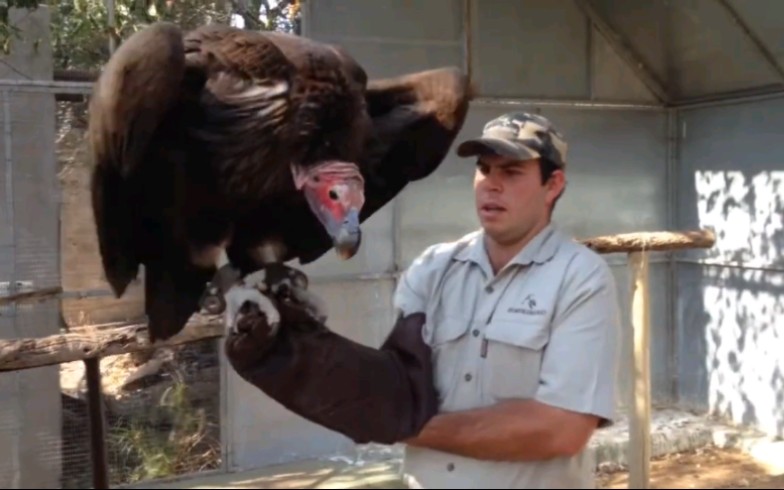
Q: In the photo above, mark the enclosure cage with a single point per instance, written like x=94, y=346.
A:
x=672, y=110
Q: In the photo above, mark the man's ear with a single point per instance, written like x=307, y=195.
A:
x=555, y=186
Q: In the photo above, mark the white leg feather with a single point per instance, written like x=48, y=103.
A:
x=257, y=280
x=238, y=295
x=313, y=303
x=223, y=258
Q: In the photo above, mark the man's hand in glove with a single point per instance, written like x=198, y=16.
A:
x=382, y=395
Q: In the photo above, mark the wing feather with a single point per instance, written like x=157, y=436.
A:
x=131, y=100
x=246, y=102
x=416, y=118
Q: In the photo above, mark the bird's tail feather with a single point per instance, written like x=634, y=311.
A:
x=129, y=102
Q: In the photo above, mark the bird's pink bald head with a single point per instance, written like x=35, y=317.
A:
x=335, y=191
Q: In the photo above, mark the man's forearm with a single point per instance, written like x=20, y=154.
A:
x=518, y=430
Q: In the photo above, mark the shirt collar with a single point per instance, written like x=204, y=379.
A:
x=539, y=250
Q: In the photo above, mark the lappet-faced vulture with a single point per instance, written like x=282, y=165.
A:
x=225, y=149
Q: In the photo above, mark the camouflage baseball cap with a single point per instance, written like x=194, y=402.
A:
x=519, y=135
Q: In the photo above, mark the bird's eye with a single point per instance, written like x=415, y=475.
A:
x=333, y=195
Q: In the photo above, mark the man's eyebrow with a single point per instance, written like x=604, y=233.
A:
x=505, y=165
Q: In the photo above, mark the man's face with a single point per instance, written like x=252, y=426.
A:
x=511, y=200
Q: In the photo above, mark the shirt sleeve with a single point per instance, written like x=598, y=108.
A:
x=409, y=294
x=580, y=362
x=412, y=291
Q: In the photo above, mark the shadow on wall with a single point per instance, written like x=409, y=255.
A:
x=731, y=336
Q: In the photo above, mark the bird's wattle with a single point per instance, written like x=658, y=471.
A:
x=335, y=191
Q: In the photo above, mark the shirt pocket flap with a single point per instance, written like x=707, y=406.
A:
x=449, y=329
x=519, y=333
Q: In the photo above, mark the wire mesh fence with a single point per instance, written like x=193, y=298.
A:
x=162, y=407
x=162, y=416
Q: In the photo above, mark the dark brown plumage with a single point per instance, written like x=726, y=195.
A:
x=227, y=139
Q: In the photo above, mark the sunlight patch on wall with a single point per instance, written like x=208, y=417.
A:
x=745, y=339
x=747, y=214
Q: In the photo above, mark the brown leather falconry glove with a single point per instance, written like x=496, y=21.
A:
x=381, y=395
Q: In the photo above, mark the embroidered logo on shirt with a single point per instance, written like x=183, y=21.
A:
x=529, y=307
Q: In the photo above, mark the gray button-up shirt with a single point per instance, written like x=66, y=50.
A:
x=546, y=327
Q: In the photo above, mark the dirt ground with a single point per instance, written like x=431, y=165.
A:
x=703, y=468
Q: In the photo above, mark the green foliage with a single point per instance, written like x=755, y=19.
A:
x=8, y=30
x=81, y=29
x=141, y=451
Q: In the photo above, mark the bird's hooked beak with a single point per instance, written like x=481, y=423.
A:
x=335, y=191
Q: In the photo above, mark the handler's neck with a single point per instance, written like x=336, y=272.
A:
x=501, y=253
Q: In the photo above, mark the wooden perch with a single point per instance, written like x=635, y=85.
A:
x=37, y=295
x=18, y=354
x=640, y=395
x=655, y=241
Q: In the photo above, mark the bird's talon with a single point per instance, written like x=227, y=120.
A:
x=212, y=301
x=213, y=304
x=274, y=327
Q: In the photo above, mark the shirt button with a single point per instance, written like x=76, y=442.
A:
x=468, y=377
x=450, y=467
x=489, y=289
x=476, y=332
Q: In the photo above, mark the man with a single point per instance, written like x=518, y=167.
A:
x=503, y=359
x=523, y=324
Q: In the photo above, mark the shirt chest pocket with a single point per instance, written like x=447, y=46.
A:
x=513, y=356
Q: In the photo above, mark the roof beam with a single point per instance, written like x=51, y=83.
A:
x=622, y=47
x=763, y=50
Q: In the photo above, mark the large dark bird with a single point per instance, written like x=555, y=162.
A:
x=223, y=147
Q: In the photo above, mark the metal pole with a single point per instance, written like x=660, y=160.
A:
x=568, y=103
x=10, y=200
x=111, y=24
x=16, y=464
x=96, y=415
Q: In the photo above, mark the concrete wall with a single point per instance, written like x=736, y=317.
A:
x=730, y=328
x=29, y=400
x=619, y=170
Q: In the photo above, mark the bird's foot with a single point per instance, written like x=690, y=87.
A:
x=228, y=293
x=284, y=282
x=213, y=299
x=236, y=298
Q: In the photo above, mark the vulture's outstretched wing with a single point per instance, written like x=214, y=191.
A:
x=416, y=118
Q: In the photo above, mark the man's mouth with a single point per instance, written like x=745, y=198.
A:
x=491, y=211
x=492, y=208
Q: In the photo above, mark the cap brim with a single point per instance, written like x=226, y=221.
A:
x=486, y=145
